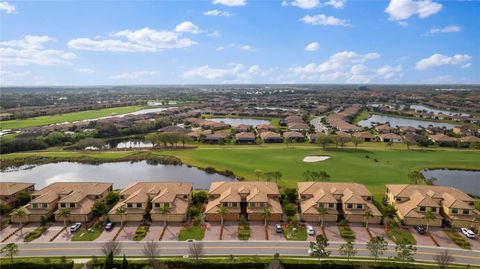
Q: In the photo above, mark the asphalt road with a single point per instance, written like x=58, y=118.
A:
x=261, y=248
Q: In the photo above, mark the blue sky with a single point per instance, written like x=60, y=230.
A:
x=239, y=41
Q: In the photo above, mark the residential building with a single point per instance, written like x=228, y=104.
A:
x=10, y=191
x=140, y=198
x=447, y=203
x=77, y=197
x=271, y=137
x=365, y=136
x=247, y=198
x=294, y=136
x=390, y=137
x=342, y=200
x=245, y=138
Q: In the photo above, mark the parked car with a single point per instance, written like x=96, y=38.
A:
x=468, y=233
x=310, y=230
x=109, y=226
x=75, y=227
x=310, y=251
x=278, y=228
x=420, y=229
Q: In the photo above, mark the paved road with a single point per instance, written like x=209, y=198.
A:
x=291, y=248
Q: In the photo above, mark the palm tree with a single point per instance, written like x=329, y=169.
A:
x=477, y=219
x=164, y=210
x=64, y=213
x=266, y=214
x=367, y=214
x=428, y=216
x=322, y=211
x=20, y=214
x=120, y=211
x=222, y=211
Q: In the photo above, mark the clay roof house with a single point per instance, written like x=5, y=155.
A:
x=294, y=136
x=384, y=129
x=271, y=137
x=9, y=191
x=390, y=137
x=443, y=140
x=245, y=137
x=263, y=128
x=298, y=126
x=242, y=128
x=365, y=136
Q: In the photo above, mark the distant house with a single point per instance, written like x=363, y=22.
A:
x=470, y=139
x=241, y=128
x=10, y=191
x=294, y=136
x=271, y=137
x=365, y=136
x=245, y=138
x=173, y=129
x=383, y=129
x=214, y=138
x=443, y=140
x=263, y=128
x=313, y=137
x=390, y=137
x=407, y=129
x=298, y=127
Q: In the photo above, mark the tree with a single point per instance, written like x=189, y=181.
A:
x=164, y=211
x=64, y=213
x=152, y=138
x=199, y=197
x=348, y=250
x=443, y=259
x=277, y=176
x=322, y=211
x=10, y=250
x=428, y=215
x=289, y=209
x=112, y=197
x=275, y=263
x=377, y=246
x=184, y=138
x=20, y=214
x=291, y=195
x=120, y=211
x=318, y=249
x=24, y=198
x=323, y=140
x=390, y=144
x=389, y=212
x=357, y=141
x=323, y=176
x=307, y=175
x=108, y=264
x=341, y=140
x=367, y=214
x=151, y=250
x=113, y=247
x=415, y=177
x=195, y=250
x=125, y=263
x=99, y=208
x=266, y=214
x=405, y=252
x=430, y=180
x=222, y=211
x=258, y=173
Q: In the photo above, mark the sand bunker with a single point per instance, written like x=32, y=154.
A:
x=313, y=159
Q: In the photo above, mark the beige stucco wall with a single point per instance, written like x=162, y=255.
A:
x=227, y=217
x=316, y=218
x=259, y=217
x=420, y=221
x=170, y=217
x=126, y=217
x=361, y=219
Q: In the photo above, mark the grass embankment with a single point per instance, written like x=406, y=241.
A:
x=73, y=116
x=88, y=235
x=195, y=232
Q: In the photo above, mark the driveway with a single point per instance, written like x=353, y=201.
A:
x=171, y=232
x=379, y=230
x=257, y=230
x=441, y=237
x=54, y=229
x=272, y=234
x=332, y=232
x=9, y=229
x=128, y=231
x=212, y=231
x=475, y=243
x=422, y=240
x=361, y=233
x=19, y=236
x=154, y=232
x=108, y=235
x=230, y=230
x=64, y=236
x=318, y=230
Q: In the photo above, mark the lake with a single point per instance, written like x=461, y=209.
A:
x=394, y=121
x=436, y=111
x=238, y=121
x=467, y=181
x=120, y=173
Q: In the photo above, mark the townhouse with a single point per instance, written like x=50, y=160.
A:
x=342, y=200
x=448, y=204
x=243, y=198
x=141, y=199
x=77, y=197
x=10, y=191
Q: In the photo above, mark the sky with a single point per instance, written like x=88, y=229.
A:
x=239, y=41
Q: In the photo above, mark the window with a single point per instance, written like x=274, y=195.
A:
x=369, y=198
x=44, y=205
x=234, y=204
x=185, y=196
x=359, y=206
x=34, y=205
x=262, y=205
x=139, y=205
x=97, y=196
x=122, y=197
x=349, y=205
x=166, y=204
x=454, y=211
x=62, y=205
x=465, y=212
x=72, y=205
x=331, y=205
x=320, y=205
x=422, y=209
x=225, y=204
x=252, y=204
x=398, y=199
x=157, y=204
x=129, y=205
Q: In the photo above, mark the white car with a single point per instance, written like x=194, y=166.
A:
x=468, y=233
x=310, y=230
x=75, y=227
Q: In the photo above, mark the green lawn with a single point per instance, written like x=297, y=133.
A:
x=193, y=232
x=73, y=116
x=398, y=235
x=347, y=233
x=243, y=232
x=36, y=233
x=295, y=233
x=141, y=232
x=83, y=235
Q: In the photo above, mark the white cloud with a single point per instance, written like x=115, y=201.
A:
x=314, y=46
x=231, y=3
x=7, y=7
x=322, y=19
x=306, y=4
x=187, y=27
x=220, y=48
x=142, y=40
x=86, y=70
x=467, y=65
x=215, y=33
x=235, y=72
x=216, y=12
x=138, y=75
x=31, y=51
x=438, y=60
x=400, y=10
x=243, y=47
x=446, y=29
x=347, y=66
x=336, y=3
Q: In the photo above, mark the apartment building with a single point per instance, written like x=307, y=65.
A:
x=10, y=191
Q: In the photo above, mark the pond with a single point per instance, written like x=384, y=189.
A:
x=238, y=121
x=394, y=121
x=467, y=181
x=436, y=111
x=120, y=173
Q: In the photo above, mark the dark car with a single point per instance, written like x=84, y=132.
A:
x=109, y=226
x=420, y=229
x=278, y=228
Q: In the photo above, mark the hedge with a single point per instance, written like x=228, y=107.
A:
x=36, y=265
